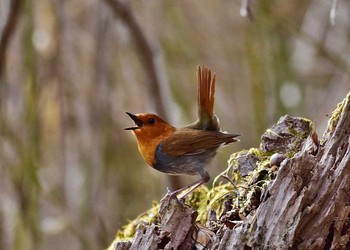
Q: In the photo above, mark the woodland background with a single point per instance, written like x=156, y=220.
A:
x=70, y=176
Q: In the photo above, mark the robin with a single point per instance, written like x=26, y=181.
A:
x=186, y=150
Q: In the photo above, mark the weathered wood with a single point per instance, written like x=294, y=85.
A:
x=177, y=222
x=306, y=206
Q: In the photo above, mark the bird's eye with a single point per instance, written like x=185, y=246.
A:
x=151, y=120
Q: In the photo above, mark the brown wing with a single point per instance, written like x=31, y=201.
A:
x=187, y=141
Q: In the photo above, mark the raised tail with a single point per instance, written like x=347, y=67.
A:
x=207, y=120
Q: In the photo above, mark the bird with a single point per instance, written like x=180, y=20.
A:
x=186, y=150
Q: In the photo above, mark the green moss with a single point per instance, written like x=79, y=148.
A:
x=257, y=152
x=302, y=134
x=243, y=191
x=336, y=114
x=148, y=217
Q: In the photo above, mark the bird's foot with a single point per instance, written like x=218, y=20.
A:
x=169, y=198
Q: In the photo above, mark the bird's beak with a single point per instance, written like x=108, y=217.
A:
x=137, y=121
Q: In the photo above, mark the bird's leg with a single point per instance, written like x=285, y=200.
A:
x=195, y=185
x=205, y=178
x=176, y=192
x=169, y=197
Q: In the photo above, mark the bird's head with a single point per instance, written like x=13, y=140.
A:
x=149, y=126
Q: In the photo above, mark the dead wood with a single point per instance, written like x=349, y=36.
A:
x=303, y=204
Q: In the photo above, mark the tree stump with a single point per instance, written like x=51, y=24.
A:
x=297, y=196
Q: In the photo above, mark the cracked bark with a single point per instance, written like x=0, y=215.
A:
x=306, y=206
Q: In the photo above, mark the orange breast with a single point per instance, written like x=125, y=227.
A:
x=149, y=140
x=147, y=148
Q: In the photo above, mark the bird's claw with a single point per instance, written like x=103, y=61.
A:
x=167, y=199
x=182, y=200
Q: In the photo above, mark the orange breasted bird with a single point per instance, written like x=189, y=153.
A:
x=186, y=150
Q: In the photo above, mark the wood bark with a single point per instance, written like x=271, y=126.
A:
x=306, y=206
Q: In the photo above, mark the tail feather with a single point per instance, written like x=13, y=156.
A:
x=207, y=120
x=206, y=92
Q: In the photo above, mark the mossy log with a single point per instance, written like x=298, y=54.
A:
x=291, y=193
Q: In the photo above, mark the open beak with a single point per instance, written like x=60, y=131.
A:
x=137, y=121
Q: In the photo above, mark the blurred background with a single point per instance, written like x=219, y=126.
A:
x=70, y=176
